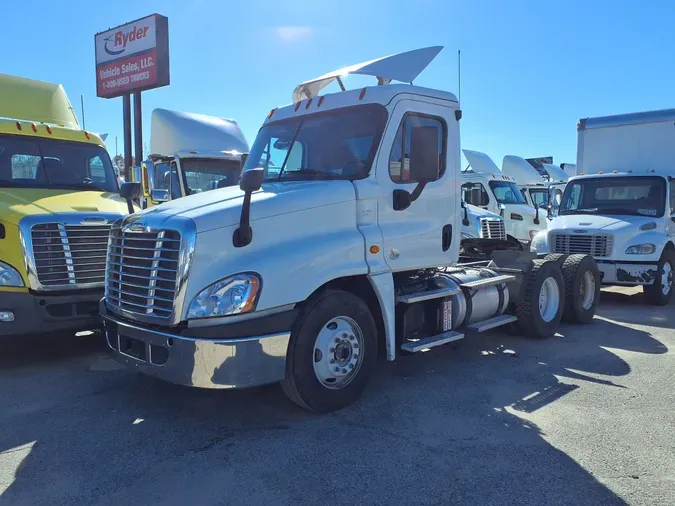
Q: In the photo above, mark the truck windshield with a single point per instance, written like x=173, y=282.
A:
x=339, y=144
x=507, y=193
x=47, y=163
x=631, y=195
x=203, y=174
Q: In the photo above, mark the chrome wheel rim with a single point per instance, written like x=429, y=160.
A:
x=587, y=290
x=338, y=352
x=667, y=278
x=549, y=299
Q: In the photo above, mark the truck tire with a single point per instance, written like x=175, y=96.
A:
x=332, y=352
x=555, y=257
x=661, y=291
x=541, y=304
x=582, y=288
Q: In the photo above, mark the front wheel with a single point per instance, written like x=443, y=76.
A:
x=661, y=291
x=332, y=352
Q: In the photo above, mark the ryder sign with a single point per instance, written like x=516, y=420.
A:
x=132, y=57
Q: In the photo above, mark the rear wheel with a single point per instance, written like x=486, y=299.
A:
x=661, y=291
x=332, y=352
x=540, y=306
x=582, y=288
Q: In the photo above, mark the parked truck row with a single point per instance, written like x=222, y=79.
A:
x=347, y=231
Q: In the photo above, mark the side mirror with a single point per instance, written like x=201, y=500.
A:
x=159, y=195
x=424, y=162
x=251, y=180
x=131, y=191
x=501, y=207
x=242, y=160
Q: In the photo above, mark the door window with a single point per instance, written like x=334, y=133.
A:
x=475, y=194
x=399, y=160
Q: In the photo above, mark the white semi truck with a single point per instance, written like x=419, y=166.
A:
x=191, y=153
x=621, y=208
x=326, y=254
x=486, y=186
x=542, y=188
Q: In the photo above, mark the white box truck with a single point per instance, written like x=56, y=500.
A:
x=621, y=206
x=325, y=253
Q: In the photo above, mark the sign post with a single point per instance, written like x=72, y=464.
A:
x=132, y=58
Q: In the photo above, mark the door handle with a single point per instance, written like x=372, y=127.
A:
x=447, y=237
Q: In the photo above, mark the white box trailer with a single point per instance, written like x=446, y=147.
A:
x=620, y=208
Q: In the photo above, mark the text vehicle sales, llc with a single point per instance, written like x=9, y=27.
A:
x=132, y=57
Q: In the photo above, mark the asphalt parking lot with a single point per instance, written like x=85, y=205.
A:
x=585, y=417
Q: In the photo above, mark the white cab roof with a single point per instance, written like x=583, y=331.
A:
x=404, y=67
x=174, y=131
x=521, y=170
x=481, y=163
x=555, y=173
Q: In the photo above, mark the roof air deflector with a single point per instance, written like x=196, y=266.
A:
x=404, y=67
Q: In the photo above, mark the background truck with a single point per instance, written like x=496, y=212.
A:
x=541, y=187
x=191, y=153
x=485, y=186
x=326, y=252
x=621, y=209
x=58, y=200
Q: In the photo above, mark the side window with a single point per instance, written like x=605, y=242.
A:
x=399, y=160
x=672, y=197
x=475, y=194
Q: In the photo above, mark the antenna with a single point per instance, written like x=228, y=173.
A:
x=459, y=75
x=84, y=125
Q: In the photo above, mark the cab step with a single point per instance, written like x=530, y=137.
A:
x=412, y=298
x=492, y=323
x=432, y=341
x=485, y=282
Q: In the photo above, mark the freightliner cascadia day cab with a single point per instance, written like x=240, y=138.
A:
x=621, y=207
x=326, y=252
x=58, y=199
x=484, y=185
x=542, y=188
x=192, y=153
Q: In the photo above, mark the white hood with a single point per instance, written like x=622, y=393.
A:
x=222, y=208
x=592, y=222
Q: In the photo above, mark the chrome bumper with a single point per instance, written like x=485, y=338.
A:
x=203, y=363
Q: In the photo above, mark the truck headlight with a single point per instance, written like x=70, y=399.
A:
x=9, y=276
x=539, y=242
x=232, y=295
x=641, y=249
x=464, y=235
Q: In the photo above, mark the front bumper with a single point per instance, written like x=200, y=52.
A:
x=632, y=274
x=39, y=313
x=203, y=362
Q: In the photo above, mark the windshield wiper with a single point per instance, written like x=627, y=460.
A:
x=78, y=186
x=588, y=210
x=312, y=172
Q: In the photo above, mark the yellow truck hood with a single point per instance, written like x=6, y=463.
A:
x=15, y=203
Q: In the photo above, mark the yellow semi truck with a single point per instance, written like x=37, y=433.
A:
x=58, y=199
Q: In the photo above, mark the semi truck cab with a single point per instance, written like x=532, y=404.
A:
x=58, y=199
x=192, y=153
x=340, y=244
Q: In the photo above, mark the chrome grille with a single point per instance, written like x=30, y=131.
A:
x=143, y=271
x=492, y=229
x=69, y=255
x=594, y=245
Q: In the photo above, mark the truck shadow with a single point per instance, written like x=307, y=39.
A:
x=621, y=307
x=433, y=428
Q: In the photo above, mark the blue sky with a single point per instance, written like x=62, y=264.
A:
x=530, y=69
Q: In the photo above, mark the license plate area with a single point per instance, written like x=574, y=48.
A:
x=133, y=348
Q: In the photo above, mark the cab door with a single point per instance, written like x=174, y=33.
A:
x=419, y=201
